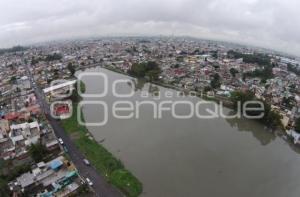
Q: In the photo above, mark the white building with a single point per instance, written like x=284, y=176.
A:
x=29, y=132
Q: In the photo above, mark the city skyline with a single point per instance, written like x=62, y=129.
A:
x=270, y=24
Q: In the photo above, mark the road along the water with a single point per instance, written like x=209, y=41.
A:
x=101, y=187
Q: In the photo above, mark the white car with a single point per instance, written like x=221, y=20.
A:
x=86, y=162
x=60, y=141
x=89, y=182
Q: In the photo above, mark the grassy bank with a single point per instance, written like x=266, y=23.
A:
x=105, y=163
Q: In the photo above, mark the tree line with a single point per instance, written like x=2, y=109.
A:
x=271, y=118
x=149, y=69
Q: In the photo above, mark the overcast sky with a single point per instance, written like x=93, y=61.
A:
x=272, y=24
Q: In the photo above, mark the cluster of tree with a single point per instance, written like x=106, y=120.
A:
x=53, y=57
x=179, y=58
x=4, y=187
x=38, y=152
x=233, y=72
x=271, y=118
x=48, y=58
x=294, y=69
x=12, y=50
x=13, y=174
x=258, y=58
x=216, y=81
x=289, y=102
x=214, y=54
x=146, y=69
x=75, y=97
x=71, y=68
x=297, y=125
x=34, y=60
x=13, y=79
x=264, y=74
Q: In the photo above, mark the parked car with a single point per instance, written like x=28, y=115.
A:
x=86, y=162
x=65, y=149
x=60, y=141
x=89, y=182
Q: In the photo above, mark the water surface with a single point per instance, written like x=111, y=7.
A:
x=194, y=157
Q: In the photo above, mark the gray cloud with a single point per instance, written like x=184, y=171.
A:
x=268, y=23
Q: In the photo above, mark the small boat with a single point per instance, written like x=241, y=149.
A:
x=101, y=141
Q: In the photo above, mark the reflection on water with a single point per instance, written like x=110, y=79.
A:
x=195, y=157
x=138, y=84
x=262, y=135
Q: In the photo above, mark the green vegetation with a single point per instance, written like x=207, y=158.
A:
x=264, y=74
x=179, y=58
x=214, y=54
x=104, y=161
x=127, y=182
x=82, y=87
x=289, y=102
x=12, y=50
x=241, y=97
x=14, y=172
x=71, y=68
x=48, y=58
x=294, y=69
x=13, y=79
x=75, y=97
x=233, y=72
x=3, y=187
x=53, y=57
x=149, y=69
x=38, y=152
x=34, y=60
x=297, y=125
x=257, y=58
x=216, y=81
x=271, y=118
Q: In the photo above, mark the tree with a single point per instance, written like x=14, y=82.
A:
x=75, y=97
x=241, y=97
x=56, y=73
x=34, y=61
x=233, y=72
x=214, y=54
x=149, y=69
x=271, y=118
x=53, y=57
x=207, y=89
x=13, y=79
x=38, y=152
x=294, y=69
x=215, y=82
x=264, y=74
x=288, y=102
x=138, y=70
x=71, y=68
x=153, y=74
x=297, y=125
x=256, y=58
x=12, y=50
x=3, y=187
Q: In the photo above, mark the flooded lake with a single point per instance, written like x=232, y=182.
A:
x=191, y=157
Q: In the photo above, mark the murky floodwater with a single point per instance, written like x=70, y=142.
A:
x=193, y=157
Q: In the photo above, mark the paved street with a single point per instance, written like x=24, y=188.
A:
x=101, y=187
